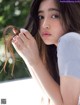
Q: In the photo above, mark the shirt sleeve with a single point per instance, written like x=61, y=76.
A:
x=68, y=53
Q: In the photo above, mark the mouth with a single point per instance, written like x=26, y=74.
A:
x=46, y=34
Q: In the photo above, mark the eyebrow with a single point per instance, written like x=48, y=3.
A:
x=50, y=9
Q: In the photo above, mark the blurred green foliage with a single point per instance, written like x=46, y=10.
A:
x=13, y=12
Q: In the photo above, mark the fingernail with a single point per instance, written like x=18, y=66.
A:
x=16, y=31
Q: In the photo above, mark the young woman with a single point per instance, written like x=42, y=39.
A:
x=51, y=49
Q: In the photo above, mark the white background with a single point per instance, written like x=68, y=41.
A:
x=20, y=92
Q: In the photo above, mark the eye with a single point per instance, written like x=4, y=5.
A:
x=40, y=17
x=55, y=16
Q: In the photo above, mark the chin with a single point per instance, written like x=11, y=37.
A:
x=48, y=43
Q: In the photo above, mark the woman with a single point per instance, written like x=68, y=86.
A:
x=52, y=55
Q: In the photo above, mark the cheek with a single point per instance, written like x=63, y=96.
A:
x=61, y=28
x=40, y=30
x=40, y=25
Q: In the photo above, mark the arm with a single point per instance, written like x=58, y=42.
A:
x=70, y=90
x=26, y=46
x=69, y=67
x=66, y=94
x=46, y=82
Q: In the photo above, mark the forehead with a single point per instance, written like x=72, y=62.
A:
x=45, y=4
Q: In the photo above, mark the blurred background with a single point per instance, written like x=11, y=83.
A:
x=12, y=12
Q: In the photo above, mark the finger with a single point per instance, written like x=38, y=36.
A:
x=27, y=33
x=23, y=37
x=17, y=42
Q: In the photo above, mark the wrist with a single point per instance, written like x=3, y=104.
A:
x=36, y=63
x=33, y=64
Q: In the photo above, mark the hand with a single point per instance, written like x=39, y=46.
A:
x=26, y=46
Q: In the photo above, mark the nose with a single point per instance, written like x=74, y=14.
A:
x=46, y=24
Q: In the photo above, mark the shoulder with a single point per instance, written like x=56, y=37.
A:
x=68, y=53
x=70, y=35
x=68, y=38
x=69, y=41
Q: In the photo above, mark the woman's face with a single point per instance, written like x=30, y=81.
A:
x=50, y=22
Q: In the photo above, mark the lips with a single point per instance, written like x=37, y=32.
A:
x=46, y=34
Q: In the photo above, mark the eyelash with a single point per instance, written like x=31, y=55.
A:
x=40, y=17
x=53, y=16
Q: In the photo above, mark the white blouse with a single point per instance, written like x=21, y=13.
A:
x=68, y=53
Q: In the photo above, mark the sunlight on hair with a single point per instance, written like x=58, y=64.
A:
x=3, y=57
x=8, y=33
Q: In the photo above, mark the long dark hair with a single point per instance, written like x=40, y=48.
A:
x=70, y=13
